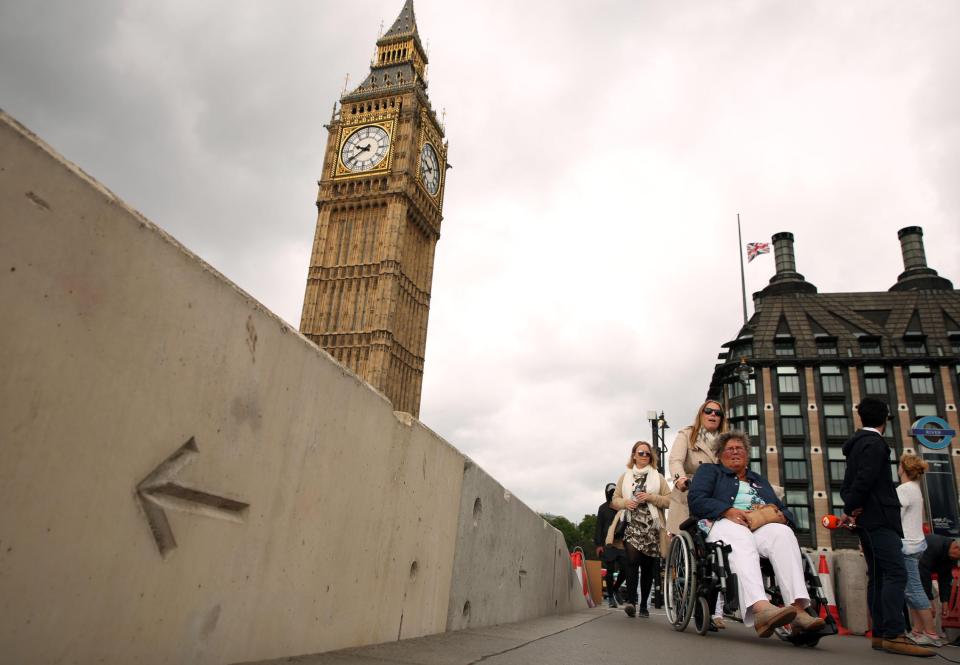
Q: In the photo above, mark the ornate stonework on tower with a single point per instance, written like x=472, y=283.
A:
x=379, y=211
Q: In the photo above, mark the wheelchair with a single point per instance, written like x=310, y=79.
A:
x=696, y=571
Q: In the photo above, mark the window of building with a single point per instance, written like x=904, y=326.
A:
x=756, y=461
x=875, y=380
x=837, y=462
x=798, y=502
x=787, y=380
x=869, y=345
x=783, y=346
x=955, y=343
x=835, y=419
x=791, y=420
x=837, y=502
x=744, y=417
x=826, y=346
x=924, y=410
x=742, y=350
x=794, y=463
x=921, y=380
x=831, y=380
x=915, y=344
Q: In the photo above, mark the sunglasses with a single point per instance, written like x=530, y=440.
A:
x=642, y=453
x=713, y=412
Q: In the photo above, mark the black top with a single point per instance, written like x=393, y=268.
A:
x=936, y=559
x=605, y=515
x=867, y=483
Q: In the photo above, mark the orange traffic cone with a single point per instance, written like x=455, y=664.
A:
x=576, y=558
x=823, y=572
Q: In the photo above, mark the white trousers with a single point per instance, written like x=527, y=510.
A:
x=775, y=542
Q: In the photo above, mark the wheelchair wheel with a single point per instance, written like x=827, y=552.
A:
x=680, y=581
x=701, y=615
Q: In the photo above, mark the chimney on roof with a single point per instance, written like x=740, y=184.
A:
x=786, y=279
x=783, y=253
x=916, y=274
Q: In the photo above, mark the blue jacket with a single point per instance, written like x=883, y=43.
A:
x=714, y=488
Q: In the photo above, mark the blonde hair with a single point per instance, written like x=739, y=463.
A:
x=696, y=427
x=633, y=451
x=913, y=466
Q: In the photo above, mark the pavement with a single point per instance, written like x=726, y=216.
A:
x=605, y=637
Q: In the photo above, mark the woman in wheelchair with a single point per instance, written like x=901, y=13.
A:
x=727, y=498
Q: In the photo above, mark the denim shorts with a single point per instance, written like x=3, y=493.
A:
x=916, y=598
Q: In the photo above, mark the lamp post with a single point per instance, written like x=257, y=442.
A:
x=658, y=428
x=743, y=372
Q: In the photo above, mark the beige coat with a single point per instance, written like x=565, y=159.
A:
x=685, y=458
x=662, y=502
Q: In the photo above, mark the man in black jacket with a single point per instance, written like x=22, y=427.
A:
x=870, y=501
x=614, y=558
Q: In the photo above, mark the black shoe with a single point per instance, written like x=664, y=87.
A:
x=612, y=602
x=630, y=609
x=643, y=612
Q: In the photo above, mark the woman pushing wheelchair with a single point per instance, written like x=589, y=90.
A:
x=739, y=507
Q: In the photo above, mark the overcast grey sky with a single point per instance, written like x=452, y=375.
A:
x=587, y=269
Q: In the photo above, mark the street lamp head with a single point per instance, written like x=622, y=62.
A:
x=743, y=371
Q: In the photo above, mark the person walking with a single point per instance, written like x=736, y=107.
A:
x=910, y=494
x=610, y=547
x=693, y=447
x=644, y=494
x=870, y=503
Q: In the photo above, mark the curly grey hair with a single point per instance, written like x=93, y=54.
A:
x=733, y=435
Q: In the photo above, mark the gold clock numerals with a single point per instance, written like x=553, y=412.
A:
x=365, y=148
x=430, y=169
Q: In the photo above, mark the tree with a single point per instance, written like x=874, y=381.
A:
x=580, y=535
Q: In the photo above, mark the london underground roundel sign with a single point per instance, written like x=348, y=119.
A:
x=933, y=427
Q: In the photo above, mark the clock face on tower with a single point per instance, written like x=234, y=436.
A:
x=365, y=148
x=430, y=169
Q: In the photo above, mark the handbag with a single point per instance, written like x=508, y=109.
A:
x=765, y=514
x=621, y=529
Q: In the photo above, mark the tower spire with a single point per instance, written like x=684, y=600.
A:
x=400, y=60
x=406, y=23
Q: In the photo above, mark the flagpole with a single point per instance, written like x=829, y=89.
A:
x=743, y=281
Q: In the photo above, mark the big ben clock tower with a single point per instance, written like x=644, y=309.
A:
x=379, y=212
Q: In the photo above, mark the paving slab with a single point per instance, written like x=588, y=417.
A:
x=607, y=637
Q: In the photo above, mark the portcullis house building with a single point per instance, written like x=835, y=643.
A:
x=794, y=372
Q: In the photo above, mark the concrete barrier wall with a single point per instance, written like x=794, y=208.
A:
x=186, y=479
x=850, y=582
x=499, y=575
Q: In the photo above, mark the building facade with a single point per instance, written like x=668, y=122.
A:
x=379, y=207
x=810, y=358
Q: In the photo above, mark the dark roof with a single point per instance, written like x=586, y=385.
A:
x=406, y=23
x=846, y=319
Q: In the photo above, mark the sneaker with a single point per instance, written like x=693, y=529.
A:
x=920, y=639
x=805, y=623
x=770, y=619
x=612, y=602
x=630, y=609
x=717, y=623
x=904, y=647
x=643, y=612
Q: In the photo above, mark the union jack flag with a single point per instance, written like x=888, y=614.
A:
x=755, y=249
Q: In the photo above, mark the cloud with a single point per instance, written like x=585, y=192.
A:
x=587, y=270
